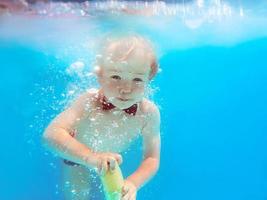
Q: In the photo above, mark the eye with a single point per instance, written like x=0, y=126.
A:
x=115, y=77
x=137, y=80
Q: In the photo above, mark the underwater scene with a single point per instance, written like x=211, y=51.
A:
x=210, y=89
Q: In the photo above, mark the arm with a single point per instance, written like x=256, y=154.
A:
x=57, y=138
x=151, y=142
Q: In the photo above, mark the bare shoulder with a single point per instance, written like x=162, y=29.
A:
x=88, y=95
x=78, y=109
x=149, y=108
x=151, y=114
x=86, y=100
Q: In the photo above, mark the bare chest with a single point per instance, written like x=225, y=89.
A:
x=108, y=130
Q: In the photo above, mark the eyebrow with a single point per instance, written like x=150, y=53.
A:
x=114, y=70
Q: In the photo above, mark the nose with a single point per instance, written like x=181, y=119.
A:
x=125, y=88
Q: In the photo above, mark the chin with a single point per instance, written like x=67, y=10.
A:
x=123, y=105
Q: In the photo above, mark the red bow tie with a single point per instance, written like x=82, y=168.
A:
x=109, y=106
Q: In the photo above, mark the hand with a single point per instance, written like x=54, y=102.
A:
x=107, y=161
x=128, y=191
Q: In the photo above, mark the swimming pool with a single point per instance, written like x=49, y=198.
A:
x=211, y=90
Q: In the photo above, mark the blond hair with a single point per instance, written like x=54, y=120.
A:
x=120, y=48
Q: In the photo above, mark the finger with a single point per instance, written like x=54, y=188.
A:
x=126, y=196
x=131, y=193
x=111, y=162
x=124, y=190
x=133, y=196
x=99, y=167
x=118, y=158
x=104, y=166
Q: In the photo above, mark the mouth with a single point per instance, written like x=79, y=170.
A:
x=123, y=99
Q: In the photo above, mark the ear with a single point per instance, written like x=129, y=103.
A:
x=154, y=69
x=98, y=72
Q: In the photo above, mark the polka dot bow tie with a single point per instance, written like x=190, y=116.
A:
x=109, y=106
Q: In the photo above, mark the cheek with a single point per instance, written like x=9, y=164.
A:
x=111, y=86
x=139, y=88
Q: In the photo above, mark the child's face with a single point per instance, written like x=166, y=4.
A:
x=124, y=82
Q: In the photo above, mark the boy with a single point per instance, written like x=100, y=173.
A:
x=103, y=122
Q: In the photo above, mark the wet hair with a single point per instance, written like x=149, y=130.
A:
x=120, y=48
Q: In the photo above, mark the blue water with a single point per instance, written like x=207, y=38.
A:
x=212, y=94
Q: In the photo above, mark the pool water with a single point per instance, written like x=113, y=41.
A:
x=211, y=91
